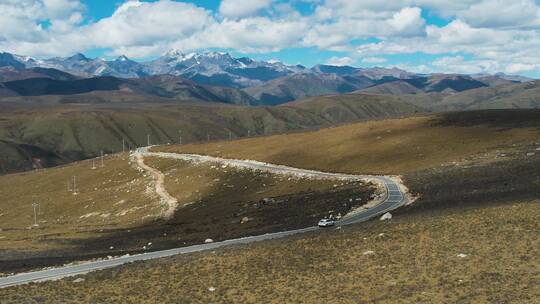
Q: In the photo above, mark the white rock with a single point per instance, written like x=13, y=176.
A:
x=112, y=247
x=149, y=243
x=208, y=241
x=386, y=216
x=244, y=220
x=531, y=154
x=79, y=280
x=211, y=289
x=462, y=255
x=369, y=252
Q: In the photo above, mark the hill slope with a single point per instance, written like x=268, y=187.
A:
x=165, y=86
x=510, y=96
x=436, y=83
x=302, y=85
x=393, y=146
x=55, y=133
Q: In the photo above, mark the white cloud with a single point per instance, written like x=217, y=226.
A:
x=502, y=13
x=143, y=24
x=62, y=9
x=241, y=8
x=408, y=21
x=492, y=35
x=257, y=34
x=516, y=68
x=374, y=60
x=340, y=61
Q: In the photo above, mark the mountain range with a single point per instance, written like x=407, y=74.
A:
x=216, y=76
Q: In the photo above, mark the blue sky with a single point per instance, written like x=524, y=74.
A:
x=307, y=56
x=461, y=36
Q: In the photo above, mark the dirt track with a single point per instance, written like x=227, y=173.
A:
x=168, y=200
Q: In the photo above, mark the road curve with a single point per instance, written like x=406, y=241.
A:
x=393, y=198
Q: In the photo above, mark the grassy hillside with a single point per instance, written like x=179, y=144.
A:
x=414, y=260
x=505, y=96
x=116, y=209
x=165, y=86
x=393, y=146
x=299, y=86
x=471, y=237
x=40, y=132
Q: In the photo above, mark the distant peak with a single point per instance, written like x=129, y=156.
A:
x=78, y=56
x=217, y=54
x=174, y=53
x=122, y=58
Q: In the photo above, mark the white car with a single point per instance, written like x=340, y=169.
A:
x=326, y=223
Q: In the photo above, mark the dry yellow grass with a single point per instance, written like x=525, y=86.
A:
x=118, y=198
x=111, y=197
x=191, y=183
x=394, y=146
x=414, y=260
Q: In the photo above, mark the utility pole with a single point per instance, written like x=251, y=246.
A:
x=93, y=164
x=207, y=137
x=249, y=133
x=180, y=137
x=102, y=163
x=123, y=145
x=69, y=186
x=230, y=135
x=35, y=205
x=75, y=190
x=148, y=140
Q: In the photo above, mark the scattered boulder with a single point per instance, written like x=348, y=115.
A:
x=531, y=154
x=211, y=289
x=462, y=255
x=245, y=219
x=207, y=241
x=267, y=200
x=369, y=252
x=78, y=280
x=387, y=216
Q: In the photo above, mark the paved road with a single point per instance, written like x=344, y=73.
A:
x=393, y=199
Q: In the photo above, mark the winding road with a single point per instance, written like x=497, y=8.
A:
x=394, y=197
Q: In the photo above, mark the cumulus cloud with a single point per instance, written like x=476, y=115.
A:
x=502, y=13
x=374, y=60
x=340, y=61
x=408, y=21
x=491, y=35
x=241, y=8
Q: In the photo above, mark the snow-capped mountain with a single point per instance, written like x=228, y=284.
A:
x=218, y=68
x=80, y=65
x=214, y=68
x=221, y=69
